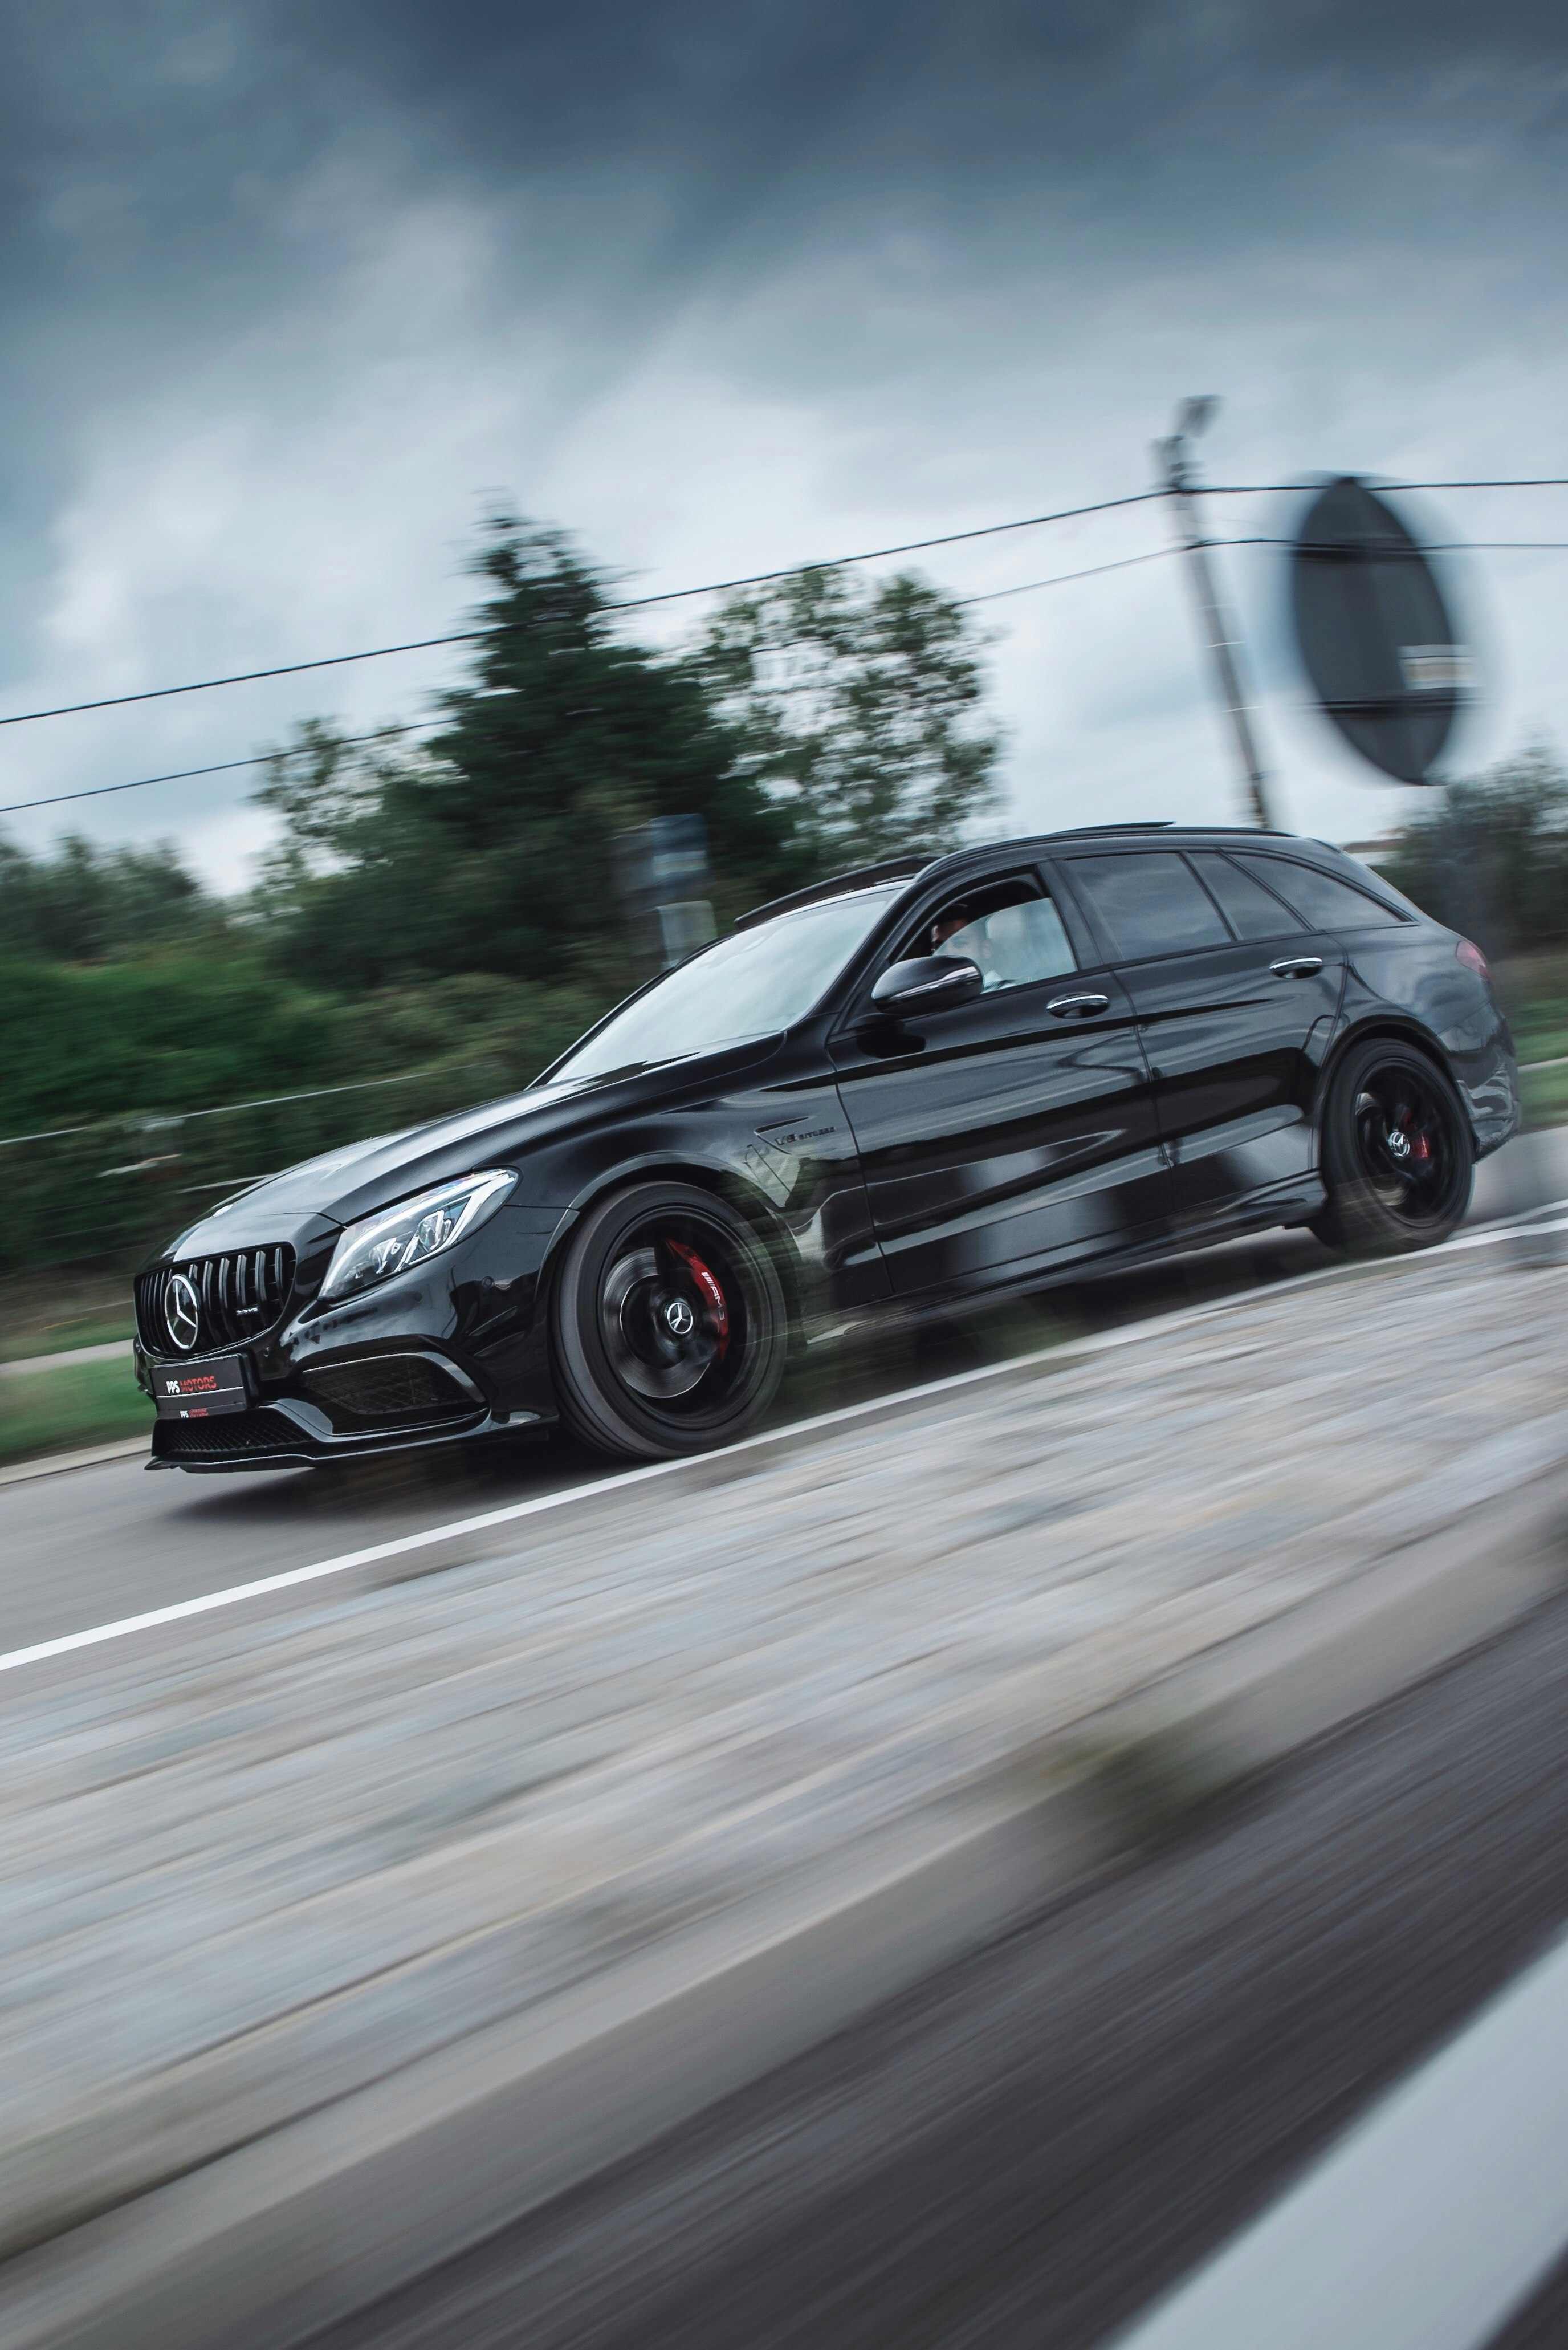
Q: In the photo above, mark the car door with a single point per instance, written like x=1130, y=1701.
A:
x=1237, y=999
x=1013, y=1133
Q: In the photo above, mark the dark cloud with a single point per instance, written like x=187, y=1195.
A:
x=144, y=143
x=939, y=202
x=147, y=153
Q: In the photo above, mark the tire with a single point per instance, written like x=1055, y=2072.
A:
x=668, y=1328
x=1398, y=1160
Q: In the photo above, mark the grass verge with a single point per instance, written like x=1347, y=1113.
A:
x=1535, y=994
x=46, y=1313
x=66, y=1411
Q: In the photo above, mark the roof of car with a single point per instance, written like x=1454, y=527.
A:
x=909, y=868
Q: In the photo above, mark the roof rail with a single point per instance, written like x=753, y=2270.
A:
x=864, y=877
x=1145, y=823
x=1244, y=831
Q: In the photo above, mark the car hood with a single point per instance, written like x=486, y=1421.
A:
x=308, y=1202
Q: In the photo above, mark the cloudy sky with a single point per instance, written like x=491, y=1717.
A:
x=294, y=293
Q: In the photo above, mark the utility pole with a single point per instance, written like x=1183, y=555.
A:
x=1192, y=419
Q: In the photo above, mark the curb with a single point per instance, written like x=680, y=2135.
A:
x=297, y=2230
x=53, y=1463
x=112, y=1350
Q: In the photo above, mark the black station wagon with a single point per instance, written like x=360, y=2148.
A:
x=911, y=1085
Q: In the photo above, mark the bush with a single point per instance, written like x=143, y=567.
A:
x=161, y=1036
x=1489, y=857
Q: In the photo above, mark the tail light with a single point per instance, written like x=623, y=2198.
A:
x=1472, y=959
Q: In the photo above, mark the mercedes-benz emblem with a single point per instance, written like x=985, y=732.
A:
x=183, y=1312
x=678, y=1318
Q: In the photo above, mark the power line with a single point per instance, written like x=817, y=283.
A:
x=625, y=604
x=880, y=554
x=243, y=677
x=762, y=579
x=1278, y=489
x=179, y=775
x=261, y=758
x=1124, y=563
x=989, y=595
x=1428, y=546
x=725, y=587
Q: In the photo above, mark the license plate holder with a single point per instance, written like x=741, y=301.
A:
x=202, y=1389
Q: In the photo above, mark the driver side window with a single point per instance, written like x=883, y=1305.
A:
x=1014, y=943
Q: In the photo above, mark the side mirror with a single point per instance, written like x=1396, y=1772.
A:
x=927, y=984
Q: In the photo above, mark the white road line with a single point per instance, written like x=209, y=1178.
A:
x=235, y=1595
x=1502, y=1232
x=1432, y=2221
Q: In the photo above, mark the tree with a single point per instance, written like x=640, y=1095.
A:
x=1489, y=857
x=858, y=711
x=84, y=904
x=488, y=848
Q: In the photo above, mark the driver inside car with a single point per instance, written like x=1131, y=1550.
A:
x=1014, y=941
x=958, y=931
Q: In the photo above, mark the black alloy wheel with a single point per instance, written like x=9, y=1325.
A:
x=669, y=1324
x=1398, y=1157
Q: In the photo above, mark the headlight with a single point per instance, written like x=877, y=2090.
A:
x=413, y=1230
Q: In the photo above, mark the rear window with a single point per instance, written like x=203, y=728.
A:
x=1252, y=911
x=1325, y=903
x=1148, y=904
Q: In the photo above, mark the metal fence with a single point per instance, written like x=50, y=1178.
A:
x=107, y=1191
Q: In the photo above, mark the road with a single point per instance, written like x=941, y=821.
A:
x=93, y=1545
x=1032, y=2146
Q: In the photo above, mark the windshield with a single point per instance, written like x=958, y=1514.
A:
x=748, y=985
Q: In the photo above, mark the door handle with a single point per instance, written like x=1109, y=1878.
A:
x=1077, y=1007
x=1296, y=966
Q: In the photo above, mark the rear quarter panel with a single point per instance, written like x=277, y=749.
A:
x=1414, y=974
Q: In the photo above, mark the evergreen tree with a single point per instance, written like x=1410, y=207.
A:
x=490, y=848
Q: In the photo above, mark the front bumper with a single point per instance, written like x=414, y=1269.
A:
x=285, y=1434
x=452, y=1352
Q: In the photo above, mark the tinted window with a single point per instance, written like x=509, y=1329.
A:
x=1015, y=945
x=745, y=985
x=1251, y=909
x=1327, y=904
x=1148, y=905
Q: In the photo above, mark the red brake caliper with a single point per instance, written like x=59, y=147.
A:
x=713, y=1295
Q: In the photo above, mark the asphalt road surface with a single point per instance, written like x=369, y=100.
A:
x=91, y=1545
x=1033, y=2145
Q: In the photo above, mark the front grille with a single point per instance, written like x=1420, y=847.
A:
x=226, y=1434
x=242, y=1294
x=390, y=1387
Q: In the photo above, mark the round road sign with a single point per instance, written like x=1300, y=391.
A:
x=1374, y=631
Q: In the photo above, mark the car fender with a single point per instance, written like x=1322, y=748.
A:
x=1401, y=1026
x=707, y=1173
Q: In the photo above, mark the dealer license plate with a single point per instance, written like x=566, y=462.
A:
x=199, y=1389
